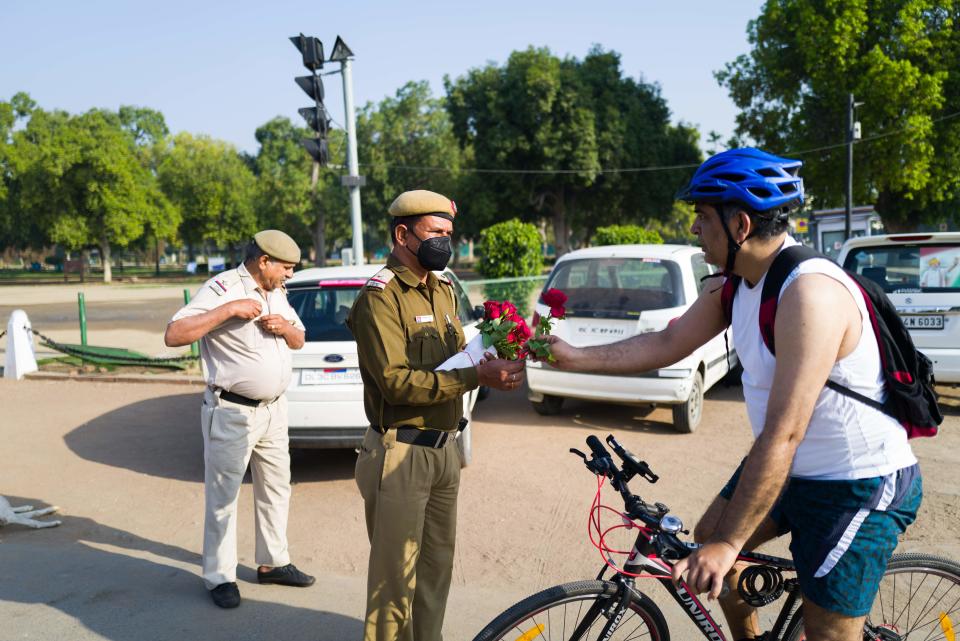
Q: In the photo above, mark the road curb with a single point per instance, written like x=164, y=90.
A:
x=118, y=378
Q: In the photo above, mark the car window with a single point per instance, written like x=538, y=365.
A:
x=464, y=306
x=908, y=268
x=700, y=271
x=617, y=287
x=324, y=311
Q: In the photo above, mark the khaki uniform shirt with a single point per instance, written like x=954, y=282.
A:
x=404, y=329
x=239, y=356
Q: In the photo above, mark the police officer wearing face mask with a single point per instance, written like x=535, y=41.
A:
x=408, y=472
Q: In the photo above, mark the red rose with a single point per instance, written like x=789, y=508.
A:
x=509, y=309
x=522, y=330
x=558, y=312
x=491, y=310
x=554, y=298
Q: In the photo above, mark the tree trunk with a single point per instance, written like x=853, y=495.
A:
x=320, y=224
x=105, y=258
x=560, y=234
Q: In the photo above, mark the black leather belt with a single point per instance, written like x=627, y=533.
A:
x=242, y=400
x=423, y=437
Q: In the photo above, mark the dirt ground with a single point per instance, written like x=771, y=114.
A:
x=124, y=463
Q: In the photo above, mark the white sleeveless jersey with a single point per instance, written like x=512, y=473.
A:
x=846, y=439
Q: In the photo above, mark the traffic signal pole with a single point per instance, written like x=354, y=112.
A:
x=353, y=166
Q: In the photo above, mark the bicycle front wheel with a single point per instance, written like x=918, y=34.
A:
x=582, y=607
x=918, y=598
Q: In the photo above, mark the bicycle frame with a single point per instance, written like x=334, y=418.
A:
x=645, y=559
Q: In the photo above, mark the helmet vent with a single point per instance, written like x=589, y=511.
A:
x=788, y=188
x=759, y=192
x=768, y=172
x=731, y=177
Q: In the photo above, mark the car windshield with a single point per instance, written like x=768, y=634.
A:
x=905, y=269
x=617, y=287
x=324, y=310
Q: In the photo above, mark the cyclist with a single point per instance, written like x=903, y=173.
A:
x=834, y=472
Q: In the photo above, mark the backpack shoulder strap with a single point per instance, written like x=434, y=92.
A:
x=727, y=292
x=783, y=265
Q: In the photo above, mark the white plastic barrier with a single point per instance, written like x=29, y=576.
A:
x=21, y=359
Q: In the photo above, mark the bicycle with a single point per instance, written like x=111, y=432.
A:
x=919, y=594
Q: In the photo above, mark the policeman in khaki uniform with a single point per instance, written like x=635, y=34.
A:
x=246, y=330
x=408, y=471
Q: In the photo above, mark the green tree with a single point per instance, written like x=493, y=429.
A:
x=626, y=235
x=528, y=114
x=569, y=119
x=401, y=141
x=81, y=182
x=285, y=198
x=212, y=188
x=508, y=250
x=900, y=57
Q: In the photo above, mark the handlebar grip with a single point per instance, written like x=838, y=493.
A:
x=599, y=451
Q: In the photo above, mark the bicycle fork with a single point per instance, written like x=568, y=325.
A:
x=612, y=610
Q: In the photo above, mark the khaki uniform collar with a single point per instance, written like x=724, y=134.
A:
x=249, y=282
x=407, y=277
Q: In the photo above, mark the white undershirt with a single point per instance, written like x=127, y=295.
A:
x=846, y=439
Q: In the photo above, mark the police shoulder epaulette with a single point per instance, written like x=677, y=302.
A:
x=221, y=283
x=443, y=278
x=380, y=279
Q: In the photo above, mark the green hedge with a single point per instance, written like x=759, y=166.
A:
x=626, y=235
x=510, y=250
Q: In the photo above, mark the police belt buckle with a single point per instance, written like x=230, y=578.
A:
x=423, y=437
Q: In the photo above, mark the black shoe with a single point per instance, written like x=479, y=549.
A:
x=226, y=595
x=286, y=575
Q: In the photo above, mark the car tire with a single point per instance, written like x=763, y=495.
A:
x=687, y=415
x=549, y=406
x=483, y=392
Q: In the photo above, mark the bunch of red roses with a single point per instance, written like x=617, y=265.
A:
x=537, y=346
x=503, y=328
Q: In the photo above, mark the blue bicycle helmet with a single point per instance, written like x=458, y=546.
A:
x=748, y=176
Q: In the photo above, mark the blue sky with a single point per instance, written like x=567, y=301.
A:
x=223, y=69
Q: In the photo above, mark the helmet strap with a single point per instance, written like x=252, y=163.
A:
x=732, y=246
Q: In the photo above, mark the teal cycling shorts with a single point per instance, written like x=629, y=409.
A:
x=843, y=533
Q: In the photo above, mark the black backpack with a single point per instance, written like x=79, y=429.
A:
x=911, y=398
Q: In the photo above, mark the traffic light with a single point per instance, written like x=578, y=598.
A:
x=317, y=118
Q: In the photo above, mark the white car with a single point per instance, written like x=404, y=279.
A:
x=326, y=394
x=616, y=292
x=921, y=275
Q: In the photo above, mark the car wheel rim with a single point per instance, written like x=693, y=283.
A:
x=696, y=404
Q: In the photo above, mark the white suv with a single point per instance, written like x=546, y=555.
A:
x=325, y=395
x=921, y=275
x=614, y=293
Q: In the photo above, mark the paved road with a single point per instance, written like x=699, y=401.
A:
x=124, y=462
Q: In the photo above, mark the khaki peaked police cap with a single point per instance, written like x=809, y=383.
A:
x=278, y=245
x=421, y=202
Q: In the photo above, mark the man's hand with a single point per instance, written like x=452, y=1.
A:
x=245, y=308
x=273, y=323
x=707, y=567
x=564, y=354
x=501, y=374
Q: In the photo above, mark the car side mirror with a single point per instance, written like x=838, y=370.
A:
x=478, y=312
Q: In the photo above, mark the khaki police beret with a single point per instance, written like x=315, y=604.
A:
x=277, y=244
x=420, y=202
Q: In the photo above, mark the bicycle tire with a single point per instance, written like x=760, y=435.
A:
x=536, y=610
x=911, y=571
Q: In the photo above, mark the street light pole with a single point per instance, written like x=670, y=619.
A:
x=853, y=134
x=353, y=169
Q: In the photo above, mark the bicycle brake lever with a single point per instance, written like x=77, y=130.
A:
x=574, y=450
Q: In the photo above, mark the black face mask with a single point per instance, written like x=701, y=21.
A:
x=433, y=253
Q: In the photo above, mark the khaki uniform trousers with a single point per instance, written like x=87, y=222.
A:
x=410, y=497
x=234, y=436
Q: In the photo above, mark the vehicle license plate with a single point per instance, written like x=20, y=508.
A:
x=925, y=321
x=329, y=376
